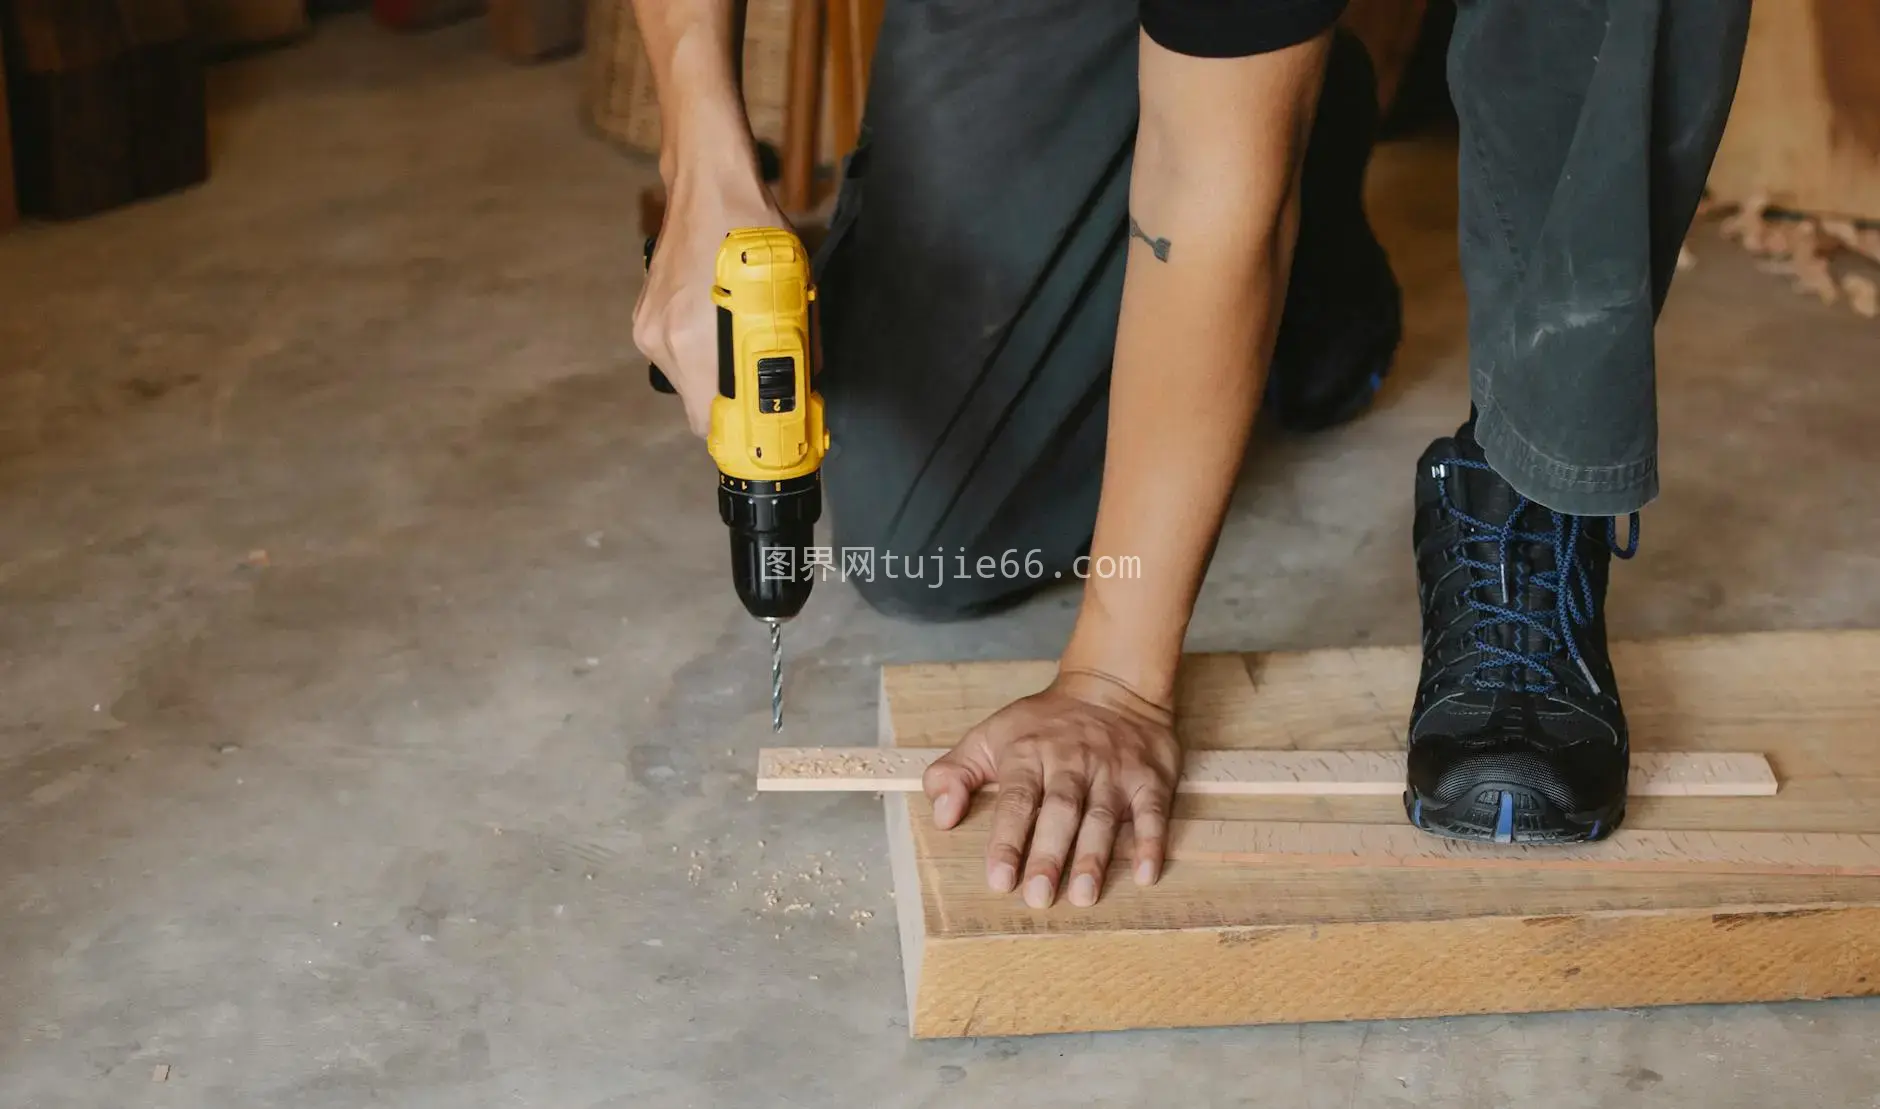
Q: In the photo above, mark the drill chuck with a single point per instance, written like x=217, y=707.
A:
x=772, y=526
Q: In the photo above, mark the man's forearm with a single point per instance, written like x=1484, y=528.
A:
x=1213, y=206
x=694, y=47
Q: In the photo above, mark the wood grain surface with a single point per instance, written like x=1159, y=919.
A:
x=1229, y=942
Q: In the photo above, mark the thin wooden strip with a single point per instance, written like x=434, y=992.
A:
x=1255, y=773
x=1399, y=845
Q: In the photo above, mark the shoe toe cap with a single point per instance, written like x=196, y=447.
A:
x=1572, y=777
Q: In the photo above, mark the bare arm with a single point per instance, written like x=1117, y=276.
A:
x=694, y=47
x=1214, y=211
x=709, y=163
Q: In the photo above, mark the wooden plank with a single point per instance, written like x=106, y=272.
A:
x=1228, y=942
x=1804, y=128
x=1205, y=976
x=903, y=869
x=1256, y=773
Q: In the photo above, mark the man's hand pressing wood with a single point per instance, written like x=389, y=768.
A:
x=1072, y=763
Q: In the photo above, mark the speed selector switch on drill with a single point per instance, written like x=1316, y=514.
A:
x=767, y=433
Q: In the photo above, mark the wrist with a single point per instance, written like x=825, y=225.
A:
x=1099, y=688
x=1141, y=658
x=720, y=193
x=710, y=152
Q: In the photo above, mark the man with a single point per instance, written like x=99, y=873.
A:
x=1051, y=295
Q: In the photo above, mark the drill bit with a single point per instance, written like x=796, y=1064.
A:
x=776, y=675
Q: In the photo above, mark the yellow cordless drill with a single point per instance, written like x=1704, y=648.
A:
x=767, y=433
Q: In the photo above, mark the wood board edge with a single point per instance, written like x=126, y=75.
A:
x=1300, y=974
x=903, y=869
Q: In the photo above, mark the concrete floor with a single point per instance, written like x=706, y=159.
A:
x=376, y=722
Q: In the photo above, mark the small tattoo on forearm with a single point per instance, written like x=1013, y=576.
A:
x=1159, y=246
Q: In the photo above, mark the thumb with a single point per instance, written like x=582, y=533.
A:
x=952, y=779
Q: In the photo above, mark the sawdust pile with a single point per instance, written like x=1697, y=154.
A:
x=1833, y=260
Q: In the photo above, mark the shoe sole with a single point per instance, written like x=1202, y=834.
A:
x=1510, y=813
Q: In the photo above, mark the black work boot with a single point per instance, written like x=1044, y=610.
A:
x=1344, y=310
x=1517, y=735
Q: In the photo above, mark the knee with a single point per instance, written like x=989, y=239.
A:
x=941, y=588
x=924, y=602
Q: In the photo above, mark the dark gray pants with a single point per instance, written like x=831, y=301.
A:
x=972, y=276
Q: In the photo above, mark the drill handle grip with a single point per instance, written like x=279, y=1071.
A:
x=654, y=375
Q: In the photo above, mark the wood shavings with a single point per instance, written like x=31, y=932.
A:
x=1862, y=241
x=821, y=767
x=1810, y=264
x=1709, y=207
x=1802, y=249
x=813, y=888
x=1747, y=224
x=1863, y=294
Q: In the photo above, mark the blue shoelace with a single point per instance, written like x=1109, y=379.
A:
x=1529, y=671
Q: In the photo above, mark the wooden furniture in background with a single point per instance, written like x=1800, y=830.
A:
x=618, y=95
x=801, y=101
x=1805, y=128
x=853, y=27
x=419, y=15
x=222, y=25
x=108, y=103
x=9, y=203
x=831, y=45
x=1382, y=935
x=848, y=28
x=536, y=30
x=799, y=49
